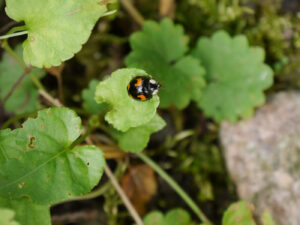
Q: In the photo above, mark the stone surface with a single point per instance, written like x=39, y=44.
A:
x=263, y=157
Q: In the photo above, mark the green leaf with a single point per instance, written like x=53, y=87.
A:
x=267, y=218
x=136, y=139
x=24, y=98
x=236, y=76
x=39, y=163
x=125, y=112
x=154, y=218
x=27, y=212
x=159, y=49
x=89, y=102
x=238, y=214
x=177, y=217
x=56, y=29
x=7, y=217
x=173, y=217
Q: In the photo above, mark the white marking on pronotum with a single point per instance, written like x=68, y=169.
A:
x=152, y=81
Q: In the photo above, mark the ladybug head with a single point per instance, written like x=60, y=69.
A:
x=154, y=86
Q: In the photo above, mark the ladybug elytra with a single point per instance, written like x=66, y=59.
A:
x=143, y=88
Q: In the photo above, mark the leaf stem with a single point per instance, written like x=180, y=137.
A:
x=176, y=187
x=13, y=35
x=9, y=50
x=82, y=137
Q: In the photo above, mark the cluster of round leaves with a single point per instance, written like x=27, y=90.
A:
x=237, y=213
x=223, y=75
x=39, y=165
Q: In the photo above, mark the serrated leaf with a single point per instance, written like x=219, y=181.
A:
x=89, y=102
x=238, y=214
x=24, y=98
x=27, y=212
x=236, y=76
x=7, y=217
x=56, y=29
x=159, y=49
x=39, y=163
x=125, y=111
x=136, y=139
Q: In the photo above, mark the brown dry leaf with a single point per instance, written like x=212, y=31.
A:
x=140, y=185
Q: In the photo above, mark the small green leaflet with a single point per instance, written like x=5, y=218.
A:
x=56, y=29
x=236, y=76
x=37, y=161
x=25, y=97
x=136, y=139
x=160, y=50
x=125, y=112
x=27, y=212
x=89, y=102
x=238, y=214
x=173, y=217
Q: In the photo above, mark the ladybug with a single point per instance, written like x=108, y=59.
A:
x=143, y=88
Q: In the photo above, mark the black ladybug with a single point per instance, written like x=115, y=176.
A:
x=143, y=88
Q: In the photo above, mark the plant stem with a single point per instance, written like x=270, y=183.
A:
x=13, y=35
x=9, y=50
x=176, y=187
x=123, y=196
x=133, y=11
x=50, y=99
x=14, y=87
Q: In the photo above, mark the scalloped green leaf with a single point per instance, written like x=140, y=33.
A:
x=38, y=160
x=136, y=139
x=7, y=217
x=27, y=212
x=159, y=49
x=25, y=97
x=56, y=29
x=89, y=102
x=125, y=112
x=236, y=76
x=238, y=213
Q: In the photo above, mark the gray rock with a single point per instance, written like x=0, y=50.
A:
x=263, y=157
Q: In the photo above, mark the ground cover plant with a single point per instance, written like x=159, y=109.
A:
x=76, y=146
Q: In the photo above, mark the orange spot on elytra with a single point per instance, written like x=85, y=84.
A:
x=128, y=86
x=142, y=97
x=138, y=82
